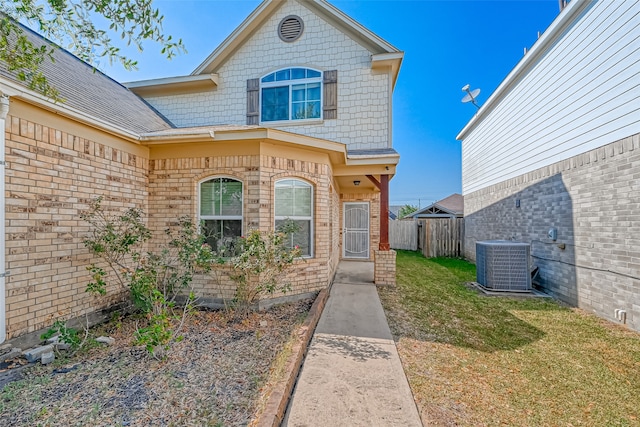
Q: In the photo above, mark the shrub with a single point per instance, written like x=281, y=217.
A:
x=153, y=279
x=259, y=266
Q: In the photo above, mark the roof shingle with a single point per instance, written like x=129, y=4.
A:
x=92, y=92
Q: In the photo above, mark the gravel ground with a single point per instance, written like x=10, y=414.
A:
x=214, y=377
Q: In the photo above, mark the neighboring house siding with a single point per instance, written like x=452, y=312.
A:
x=52, y=176
x=592, y=200
x=363, y=107
x=581, y=94
x=173, y=192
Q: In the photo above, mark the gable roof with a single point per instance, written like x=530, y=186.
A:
x=451, y=205
x=88, y=91
x=383, y=53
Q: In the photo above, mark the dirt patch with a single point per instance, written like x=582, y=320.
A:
x=213, y=377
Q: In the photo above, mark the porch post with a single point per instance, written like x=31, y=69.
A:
x=384, y=213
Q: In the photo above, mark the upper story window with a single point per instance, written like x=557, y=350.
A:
x=221, y=212
x=291, y=94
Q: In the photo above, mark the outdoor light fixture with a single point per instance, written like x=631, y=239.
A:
x=356, y=183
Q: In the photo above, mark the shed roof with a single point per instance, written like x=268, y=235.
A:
x=452, y=205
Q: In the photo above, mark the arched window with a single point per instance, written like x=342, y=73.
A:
x=294, y=202
x=291, y=94
x=221, y=212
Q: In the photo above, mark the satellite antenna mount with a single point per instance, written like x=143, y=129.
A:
x=470, y=96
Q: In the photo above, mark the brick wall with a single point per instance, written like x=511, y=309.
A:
x=51, y=177
x=384, y=271
x=173, y=187
x=592, y=199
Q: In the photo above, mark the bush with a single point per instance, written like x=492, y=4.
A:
x=258, y=268
x=153, y=279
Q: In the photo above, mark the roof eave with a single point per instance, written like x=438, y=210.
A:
x=14, y=90
x=238, y=36
x=555, y=30
x=391, y=61
x=357, y=31
x=173, y=84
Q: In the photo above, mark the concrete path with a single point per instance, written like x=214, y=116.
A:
x=352, y=375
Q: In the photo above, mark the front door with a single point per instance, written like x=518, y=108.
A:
x=355, y=240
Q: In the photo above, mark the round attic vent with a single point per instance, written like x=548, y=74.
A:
x=290, y=28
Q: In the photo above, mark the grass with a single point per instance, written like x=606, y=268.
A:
x=475, y=360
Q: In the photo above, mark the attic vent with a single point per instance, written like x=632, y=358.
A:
x=290, y=28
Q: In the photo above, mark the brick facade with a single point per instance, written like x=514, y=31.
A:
x=51, y=178
x=592, y=200
x=105, y=141
x=173, y=192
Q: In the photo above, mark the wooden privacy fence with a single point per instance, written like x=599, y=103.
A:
x=435, y=237
x=403, y=235
x=442, y=237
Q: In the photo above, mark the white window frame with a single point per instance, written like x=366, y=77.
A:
x=221, y=217
x=290, y=83
x=311, y=218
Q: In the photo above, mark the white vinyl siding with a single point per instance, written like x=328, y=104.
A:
x=584, y=92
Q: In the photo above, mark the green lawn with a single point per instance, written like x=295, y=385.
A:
x=476, y=360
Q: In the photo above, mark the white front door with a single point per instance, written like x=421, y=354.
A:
x=355, y=235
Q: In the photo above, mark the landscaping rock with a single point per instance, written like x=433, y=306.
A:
x=263, y=323
x=106, y=340
x=11, y=354
x=62, y=346
x=35, y=354
x=53, y=339
x=47, y=358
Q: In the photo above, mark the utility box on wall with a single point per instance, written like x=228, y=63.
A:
x=503, y=265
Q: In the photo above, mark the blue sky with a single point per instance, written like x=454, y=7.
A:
x=447, y=44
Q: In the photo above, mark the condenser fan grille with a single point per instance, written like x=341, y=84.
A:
x=503, y=265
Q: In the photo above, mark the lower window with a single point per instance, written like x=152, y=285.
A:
x=294, y=206
x=222, y=234
x=221, y=213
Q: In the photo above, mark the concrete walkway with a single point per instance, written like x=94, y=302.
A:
x=352, y=375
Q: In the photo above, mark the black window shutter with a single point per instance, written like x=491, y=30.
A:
x=330, y=92
x=253, y=101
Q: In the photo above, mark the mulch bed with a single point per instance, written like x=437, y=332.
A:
x=214, y=377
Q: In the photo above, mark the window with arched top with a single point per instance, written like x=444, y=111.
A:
x=294, y=205
x=291, y=94
x=221, y=212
